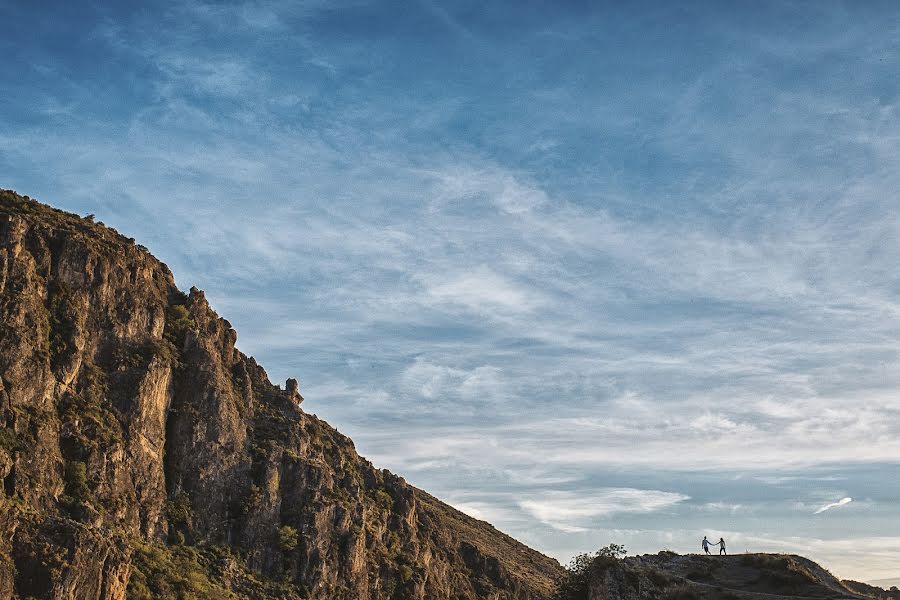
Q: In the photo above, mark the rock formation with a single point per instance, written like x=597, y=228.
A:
x=670, y=576
x=143, y=455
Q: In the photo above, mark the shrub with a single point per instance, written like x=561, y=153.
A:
x=178, y=322
x=583, y=568
x=8, y=440
x=180, y=572
x=179, y=511
x=612, y=551
x=76, y=480
x=406, y=573
x=288, y=538
x=383, y=499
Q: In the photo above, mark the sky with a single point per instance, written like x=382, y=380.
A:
x=593, y=272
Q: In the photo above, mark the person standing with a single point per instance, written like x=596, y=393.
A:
x=722, y=547
x=705, y=544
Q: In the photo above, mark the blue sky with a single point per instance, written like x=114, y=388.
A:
x=594, y=273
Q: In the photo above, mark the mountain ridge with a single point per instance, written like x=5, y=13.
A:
x=670, y=576
x=138, y=442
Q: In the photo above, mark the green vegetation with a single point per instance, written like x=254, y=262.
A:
x=49, y=558
x=179, y=511
x=181, y=572
x=383, y=499
x=90, y=425
x=16, y=205
x=288, y=538
x=76, y=481
x=271, y=431
x=9, y=441
x=583, y=569
x=198, y=573
x=178, y=323
x=93, y=234
x=135, y=359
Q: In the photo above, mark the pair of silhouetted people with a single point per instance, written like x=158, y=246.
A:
x=721, y=544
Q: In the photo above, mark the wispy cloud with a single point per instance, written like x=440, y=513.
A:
x=573, y=512
x=838, y=504
x=526, y=266
x=483, y=291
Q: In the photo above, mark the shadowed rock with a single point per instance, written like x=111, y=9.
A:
x=140, y=450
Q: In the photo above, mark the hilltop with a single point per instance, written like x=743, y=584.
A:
x=670, y=576
x=143, y=455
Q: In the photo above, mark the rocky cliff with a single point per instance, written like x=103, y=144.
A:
x=143, y=456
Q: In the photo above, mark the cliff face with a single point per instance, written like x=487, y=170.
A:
x=142, y=454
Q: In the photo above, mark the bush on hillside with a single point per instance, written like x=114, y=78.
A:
x=583, y=569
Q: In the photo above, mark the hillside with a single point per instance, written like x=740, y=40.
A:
x=143, y=456
x=670, y=576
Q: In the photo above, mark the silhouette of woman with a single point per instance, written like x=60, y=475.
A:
x=722, y=547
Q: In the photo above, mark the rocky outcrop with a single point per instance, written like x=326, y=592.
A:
x=670, y=576
x=136, y=442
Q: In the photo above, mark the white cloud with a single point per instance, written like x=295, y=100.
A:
x=439, y=384
x=483, y=291
x=839, y=503
x=574, y=512
x=723, y=507
x=463, y=306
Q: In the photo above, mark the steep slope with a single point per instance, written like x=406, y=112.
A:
x=871, y=591
x=142, y=453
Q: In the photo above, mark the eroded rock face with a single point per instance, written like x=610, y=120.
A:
x=128, y=419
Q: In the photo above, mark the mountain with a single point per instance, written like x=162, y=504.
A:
x=143, y=456
x=670, y=576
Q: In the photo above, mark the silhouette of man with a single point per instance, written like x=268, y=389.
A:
x=722, y=547
x=705, y=544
